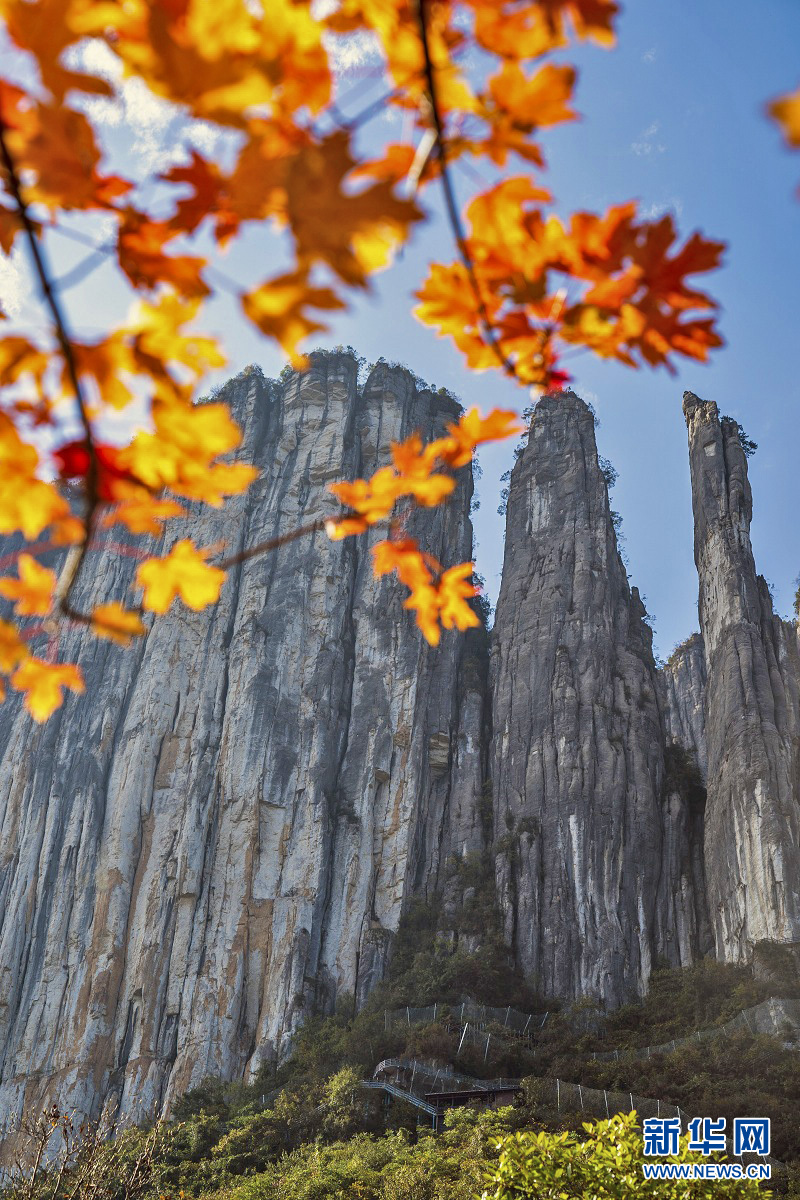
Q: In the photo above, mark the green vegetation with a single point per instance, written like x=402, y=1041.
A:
x=306, y=1130
x=606, y=1165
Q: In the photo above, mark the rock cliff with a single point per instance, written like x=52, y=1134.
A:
x=752, y=842
x=595, y=873
x=221, y=834
x=684, y=677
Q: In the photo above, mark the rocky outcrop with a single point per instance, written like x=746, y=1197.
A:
x=752, y=839
x=221, y=835
x=684, y=677
x=589, y=841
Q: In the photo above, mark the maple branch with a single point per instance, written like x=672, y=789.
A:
x=272, y=544
x=450, y=199
x=59, y=323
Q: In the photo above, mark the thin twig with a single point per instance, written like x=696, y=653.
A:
x=273, y=544
x=450, y=199
x=93, y=468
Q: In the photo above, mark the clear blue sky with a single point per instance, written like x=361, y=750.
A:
x=675, y=118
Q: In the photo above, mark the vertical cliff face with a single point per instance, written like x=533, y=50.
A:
x=222, y=833
x=752, y=844
x=684, y=678
x=590, y=844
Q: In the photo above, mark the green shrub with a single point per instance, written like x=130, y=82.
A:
x=606, y=1164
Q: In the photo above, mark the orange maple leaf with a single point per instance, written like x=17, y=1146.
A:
x=353, y=233
x=140, y=250
x=786, y=111
x=515, y=31
x=209, y=198
x=473, y=430
x=515, y=106
x=45, y=29
x=116, y=623
x=12, y=649
x=43, y=685
x=58, y=148
x=402, y=555
x=33, y=590
x=280, y=307
x=183, y=572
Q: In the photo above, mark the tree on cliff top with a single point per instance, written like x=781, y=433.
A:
x=476, y=82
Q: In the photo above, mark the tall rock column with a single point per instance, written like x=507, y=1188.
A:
x=588, y=844
x=752, y=839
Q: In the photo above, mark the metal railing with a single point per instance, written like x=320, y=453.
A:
x=769, y=1012
x=520, y=1024
x=565, y=1097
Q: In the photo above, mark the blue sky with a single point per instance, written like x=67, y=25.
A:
x=673, y=117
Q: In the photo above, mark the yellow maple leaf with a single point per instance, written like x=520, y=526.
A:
x=33, y=590
x=454, y=591
x=179, y=453
x=27, y=504
x=116, y=623
x=449, y=302
x=183, y=572
x=374, y=498
x=12, y=649
x=43, y=685
x=138, y=510
x=424, y=601
x=217, y=60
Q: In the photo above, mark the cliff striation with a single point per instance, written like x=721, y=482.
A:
x=598, y=876
x=684, y=679
x=752, y=842
x=220, y=836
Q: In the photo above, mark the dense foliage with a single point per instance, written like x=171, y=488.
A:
x=266, y=137
x=306, y=1130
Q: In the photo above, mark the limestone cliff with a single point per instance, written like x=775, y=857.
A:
x=752, y=841
x=684, y=678
x=220, y=836
x=595, y=873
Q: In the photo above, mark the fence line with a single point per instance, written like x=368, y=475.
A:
x=427, y=1077
x=520, y=1024
x=747, y=1020
x=473, y=1019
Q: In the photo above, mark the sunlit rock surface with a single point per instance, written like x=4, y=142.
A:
x=220, y=836
x=594, y=874
x=752, y=842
